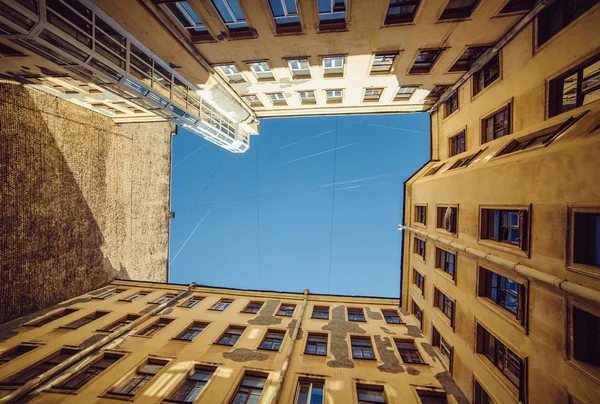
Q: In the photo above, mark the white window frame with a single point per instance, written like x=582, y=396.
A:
x=370, y=94
x=402, y=90
x=383, y=65
x=334, y=95
x=336, y=64
x=229, y=74
x=332, y=12
x=262, y=69
x=309, y=396
x=275, y=99
x=301, y=71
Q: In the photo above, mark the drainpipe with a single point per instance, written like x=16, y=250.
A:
x=288, y=355
x=73, y=360
x=490, y=53
x=569, y=287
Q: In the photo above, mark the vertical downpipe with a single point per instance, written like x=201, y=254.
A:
x=288, y=355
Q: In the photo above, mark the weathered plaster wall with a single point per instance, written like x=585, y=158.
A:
x=82, y=200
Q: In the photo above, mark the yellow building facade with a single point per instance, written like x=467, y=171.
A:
x=152, y=342
x=500, y=251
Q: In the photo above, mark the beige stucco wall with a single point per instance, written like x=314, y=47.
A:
x=549, y=180
x=339, y=370
x=83, y=200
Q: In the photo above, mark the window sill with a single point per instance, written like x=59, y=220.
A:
x=417, y=289
x=332, y=75
x=125, y=301
x=475, y=96
x=444, y=317
x=589, y=270
x=365, y=359
x=380, y=72
x=268, y=350
x=419, y=224
x=357, y=321
x=117, y=397
x=446, y=275
x=589, y=370
x=217, y=309
x=58, y=390
x=416, y=363
x=503, y=247
x=506, y=315
x=421, y=258
x=446, y=232
x=141, y=336
x=398, y=24
x=499, y=376
x=446, y=117
x=223, y=345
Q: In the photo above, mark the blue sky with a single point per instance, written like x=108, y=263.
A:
x=224, y=235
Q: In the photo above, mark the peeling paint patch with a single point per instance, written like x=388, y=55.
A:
x=413, y=331
x=373, y=315
x=245, y=355
x=291, y=327
x=266, y=315
x=403, y=312
x=339, y=327
x=221, y=36
x=413, y=371
x=451, y=387
x=387, y=331
x=391, y=364
x=430, y=351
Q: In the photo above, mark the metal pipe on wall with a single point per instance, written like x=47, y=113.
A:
x=288, y=355
x=490, y=53
x=569, y=287
x=71, y=364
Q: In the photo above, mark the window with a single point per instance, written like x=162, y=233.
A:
x=444, y=303
x=401, y=11
x=451, y=104
x=586, y=237
x=446, y=218
x=164, y=299
x=467, y=59
x=192, y=301
x=457, y=144
x=458, y=9
x=362, y=348
x=446, y=351
x=110, y=294
x=299, y=67
x=222, y=304
x=505, y=292
x=231, y=336
x=515, y=6
x=85, y=320
x=537, y=139
x=421, y=214
x=333, y=66
x=310, y=391
x=316, y=344
x=419, y=247
x=578, y=87
x=391, y=317
x=121, y=323
x=285, y=14
x=231, y=73
x=142, y=376
x=277, y=99
x=372, y=94
x=408, y=351
x=253, y=100
x=80, y=379
x=370, y=394
x=434, y=170
x=15, y=352
x=7, y=51
x=383, y=63
x=51, y=317
x=252, y=307
x=436, y=92
x=192, y=331
x=232, y=16
x=586, y=334
x=432, y=397
x=189, y=391
x=485, y=76
x=445, y=261
x=155, y=327
x=332, y=15
x=334, y=96
x=481, y=396
x=286, y=310
x=189, y=20
x=250, y=389
x=321, y=312
x=262, y=70
x=497, y=125
x=425, y=61
x=404, y=93
x=355, y=314
x=419, y=280
x=136, y=296
x=558, y=15
x=418, y=313
x=39, y=368
x=307, y=97
x=505, y=226
x=272, y=340
x=465, y=161
x=502, y=357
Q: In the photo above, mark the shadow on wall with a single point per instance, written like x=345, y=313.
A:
x=49, y=239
